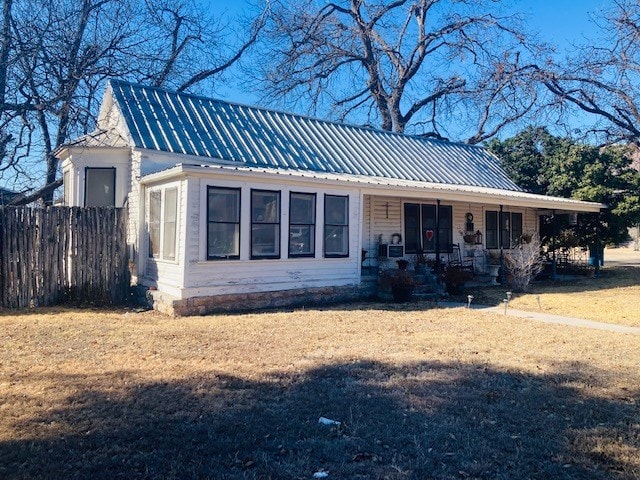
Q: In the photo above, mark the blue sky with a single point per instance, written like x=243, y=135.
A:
x=559, y=22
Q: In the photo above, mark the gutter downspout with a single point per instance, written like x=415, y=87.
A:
x=438, y=266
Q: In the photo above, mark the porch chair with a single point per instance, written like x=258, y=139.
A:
x=456, y=259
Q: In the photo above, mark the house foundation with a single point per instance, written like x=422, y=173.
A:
x=235, y=303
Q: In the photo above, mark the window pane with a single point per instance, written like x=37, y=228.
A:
x=302, y=208
x=170, y=217
x=336, y=226
x=224, y=240
x=429, y=228
x=491, y=229
x=302, y=240
x=411, y=227
x=224, y=205
x=100, y=187
x=265, y=207
x=445, y=233
x=337, y=240
x=516, y=228
x=336, y=210
x=265, y=240
x=223, y=232
x=155, y=198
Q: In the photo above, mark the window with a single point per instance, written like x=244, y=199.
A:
x=420, y=227
x=100, y=187
x=155, y=205
x=265, y=224
x=162, y=223
x=223, y=223
x=336, y=226
x=511, y=229
x=302, y=224
x=169, y=224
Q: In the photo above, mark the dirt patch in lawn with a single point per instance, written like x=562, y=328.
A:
x=420, y=393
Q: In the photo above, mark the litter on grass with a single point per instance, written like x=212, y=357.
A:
x=328, y=422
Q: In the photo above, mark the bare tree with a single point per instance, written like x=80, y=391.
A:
x=57, y=54
x=602, y=77
x=524, y=262
x=404, y=64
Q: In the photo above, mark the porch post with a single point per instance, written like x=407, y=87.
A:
x=554, y=271
x=597, y=252
x=503, y=274
x=438, y=266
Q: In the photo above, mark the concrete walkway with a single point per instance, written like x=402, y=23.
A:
x=548, y=318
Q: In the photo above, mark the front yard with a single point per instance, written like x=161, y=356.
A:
x=612, y=298
x=420, y=393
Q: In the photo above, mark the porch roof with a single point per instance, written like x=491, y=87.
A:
x=390, y=187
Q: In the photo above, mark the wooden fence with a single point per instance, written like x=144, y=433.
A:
x=57, y=255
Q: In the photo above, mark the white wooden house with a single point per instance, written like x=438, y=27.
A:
x=231, y=205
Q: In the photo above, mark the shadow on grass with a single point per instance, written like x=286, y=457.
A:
x=428, y=420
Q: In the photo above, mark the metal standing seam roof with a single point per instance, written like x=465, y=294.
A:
x=181, y=123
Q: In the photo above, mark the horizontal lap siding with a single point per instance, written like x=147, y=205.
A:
x=217, y=277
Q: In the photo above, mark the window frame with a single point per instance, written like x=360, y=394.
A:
x=86, y=184
x=238, y=223
x=165, y=222
x=278, y=229
x=509, y=240
x=312, y=226
x=344, y=226
x=443, y=231
x=161, y=224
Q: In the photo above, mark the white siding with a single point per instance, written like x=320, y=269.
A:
x=203, y=277
x=166, y=275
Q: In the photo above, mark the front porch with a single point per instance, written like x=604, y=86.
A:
x=435, y=234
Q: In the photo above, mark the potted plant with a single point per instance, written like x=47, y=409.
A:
x=401, y=283
x=421, y=262
x=454, y=278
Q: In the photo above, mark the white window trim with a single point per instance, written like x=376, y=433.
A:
x=163, y=203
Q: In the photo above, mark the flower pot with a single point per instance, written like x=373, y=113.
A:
x=401, y=294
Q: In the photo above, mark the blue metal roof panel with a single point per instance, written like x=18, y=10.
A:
x=186, y=124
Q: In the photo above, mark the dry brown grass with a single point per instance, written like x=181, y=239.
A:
x=421, y=393
x=611, y=298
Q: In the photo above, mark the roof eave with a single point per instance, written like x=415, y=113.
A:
x=376, y=186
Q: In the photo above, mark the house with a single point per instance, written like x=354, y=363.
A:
x=237, y=206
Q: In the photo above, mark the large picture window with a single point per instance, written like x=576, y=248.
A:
x=336, y=226
x=100, y=187
x=420, y=230
x=302, y=224
x=511, y=229
x=223, y=223
x=265, y=224
x=162, y=223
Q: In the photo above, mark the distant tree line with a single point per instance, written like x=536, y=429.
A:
x=546, y=164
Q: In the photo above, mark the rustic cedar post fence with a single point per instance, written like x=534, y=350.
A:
x=59, y=255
